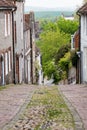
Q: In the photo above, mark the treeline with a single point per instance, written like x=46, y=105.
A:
x=54, y=43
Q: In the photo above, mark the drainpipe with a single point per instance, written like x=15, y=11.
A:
x=3, y=76
x=31, y=55
x=14, y=81
x=80, y=71
x=80, y=78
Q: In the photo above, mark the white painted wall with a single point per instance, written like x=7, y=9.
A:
x=20, y=38
x=40, y=70
x=84, y=48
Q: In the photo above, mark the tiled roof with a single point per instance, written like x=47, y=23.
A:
x=6, y=4
x=16, y=0
x=83, y=9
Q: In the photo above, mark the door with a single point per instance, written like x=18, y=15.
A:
x=17, y=68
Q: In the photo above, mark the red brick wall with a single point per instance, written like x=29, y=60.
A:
x=76, y=38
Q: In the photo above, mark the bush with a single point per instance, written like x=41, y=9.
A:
x=74, y=58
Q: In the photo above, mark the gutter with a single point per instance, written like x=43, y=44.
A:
x=80, y=77
x=14, y=80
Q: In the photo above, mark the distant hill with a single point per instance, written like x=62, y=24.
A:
x=46, y=13
x=52, y=14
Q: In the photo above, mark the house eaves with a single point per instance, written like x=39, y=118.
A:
x=82, y=10
x=6, y=5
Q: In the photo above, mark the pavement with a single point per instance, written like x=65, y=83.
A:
x=76, y=98
x=13, y=101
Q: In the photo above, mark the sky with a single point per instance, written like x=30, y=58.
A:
x=54, y=3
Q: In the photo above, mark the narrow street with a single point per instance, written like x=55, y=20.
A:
x=14, y=100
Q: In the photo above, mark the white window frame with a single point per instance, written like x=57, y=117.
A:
x=6, y=63
x=9, y=56
x=9, y=24
x=72, y=42
x=5, y=25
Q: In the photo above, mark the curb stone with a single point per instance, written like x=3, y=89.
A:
x=77, y=119
x=21, y=110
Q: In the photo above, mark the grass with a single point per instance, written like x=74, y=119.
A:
x=5, y=87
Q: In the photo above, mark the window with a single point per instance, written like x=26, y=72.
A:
x=9, y=57
x=86, y=24
x=7, y=24
x=21, y=29
x=72, y=42
x=15, y=32
x=6, y=63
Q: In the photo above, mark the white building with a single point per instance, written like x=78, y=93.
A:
x=82, y=12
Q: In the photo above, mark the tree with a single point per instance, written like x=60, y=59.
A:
x=54, y=44
x=67, y=26
x=61, y=52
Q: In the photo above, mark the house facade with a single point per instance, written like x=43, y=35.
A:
x=32, y=45
x=27, y=49
x=17, y=43
x=38, y=66
x=6, y=41
x=75, y=46
x=82, y=12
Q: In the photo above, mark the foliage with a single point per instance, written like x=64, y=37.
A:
x=50, y=42
x=64, y=64
x=54, y=45
x=67, y=26
x=49, y=69
x=61, y=52
x=74, y=58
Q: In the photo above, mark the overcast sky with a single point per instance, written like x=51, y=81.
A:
x=53, y=3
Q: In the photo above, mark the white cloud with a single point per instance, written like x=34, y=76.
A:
x=53, y=3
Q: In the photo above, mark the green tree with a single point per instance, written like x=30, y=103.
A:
x=54, y=44
x=67, y=26
x=61, y=52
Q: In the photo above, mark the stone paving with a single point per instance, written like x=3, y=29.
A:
x=12, y=100
x=77, y=95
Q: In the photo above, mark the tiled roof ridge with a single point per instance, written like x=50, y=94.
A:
x=83, y=8
x=5, y=3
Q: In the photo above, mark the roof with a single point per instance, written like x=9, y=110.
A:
x=17, y=0
x=26, y=22
x=6, y=4
x=83, y=9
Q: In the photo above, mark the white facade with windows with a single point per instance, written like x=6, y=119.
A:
x=83, y=48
